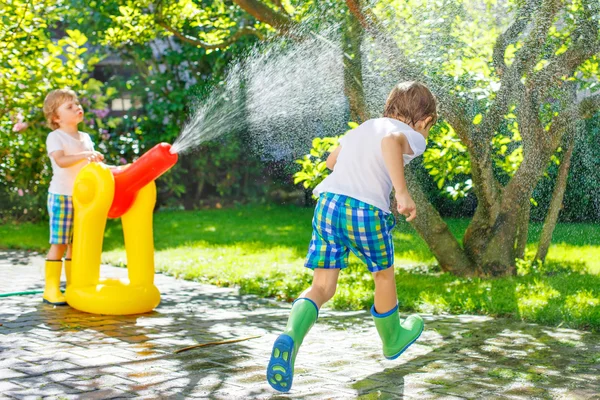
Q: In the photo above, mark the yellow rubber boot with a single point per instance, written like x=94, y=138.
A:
x=68, y=270
x=52, y=294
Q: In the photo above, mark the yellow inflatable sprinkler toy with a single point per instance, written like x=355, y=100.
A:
x=129, y=193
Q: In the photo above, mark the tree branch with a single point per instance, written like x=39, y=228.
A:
x=510, y=85
x=353, y=80
x=542, y=145
x=356, y=8
x=525, y=59
x=266, y=14
x=279, y=4
x=557, y=196
x=197, y=42
x=566, y=63
x=510, y=36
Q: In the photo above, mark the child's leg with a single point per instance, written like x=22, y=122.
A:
x=54, y=263
x=56, y=252
x=323, y=286
x=305, y=310
x=386, y=297
x=396, y=336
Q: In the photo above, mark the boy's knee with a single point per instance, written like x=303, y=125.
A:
x=56, y=251
x=385, y=275
x=327, y=289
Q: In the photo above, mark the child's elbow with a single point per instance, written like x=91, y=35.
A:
x=330, y=163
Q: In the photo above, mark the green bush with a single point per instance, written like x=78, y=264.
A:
x=38, y=55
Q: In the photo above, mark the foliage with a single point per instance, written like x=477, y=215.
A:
x=170, y=53
x=166, y=76
x=314, y=168
x=447, y=160
x=37, y=55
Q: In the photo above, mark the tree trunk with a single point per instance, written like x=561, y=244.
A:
x=523, y=229
x=432, y=228
x=556, y=202
x=353, y=82
x=477, y=235
x=500, y=252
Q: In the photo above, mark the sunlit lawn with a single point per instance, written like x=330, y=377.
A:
x=262, y=248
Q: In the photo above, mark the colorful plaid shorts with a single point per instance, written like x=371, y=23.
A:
x=342, y=224
x=60, y=208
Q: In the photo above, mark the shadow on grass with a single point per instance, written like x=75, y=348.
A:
x=264, y=227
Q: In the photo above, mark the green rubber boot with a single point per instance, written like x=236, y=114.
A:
x=280, y=372
x=396, y=336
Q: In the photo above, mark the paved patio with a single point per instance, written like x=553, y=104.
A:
x=58, y=352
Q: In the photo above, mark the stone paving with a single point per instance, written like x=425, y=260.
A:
x=58, y=352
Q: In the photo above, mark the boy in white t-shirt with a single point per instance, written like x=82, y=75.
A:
x=69, y=151
x=353, y=214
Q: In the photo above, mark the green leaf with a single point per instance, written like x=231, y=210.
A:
x=440, y=183
x=477, y=120
x=77, y=36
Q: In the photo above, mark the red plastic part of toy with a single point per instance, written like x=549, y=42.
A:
x=128, y=181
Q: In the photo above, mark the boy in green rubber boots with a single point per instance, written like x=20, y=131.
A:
x=353, y=214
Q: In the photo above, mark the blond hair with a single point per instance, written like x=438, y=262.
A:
x=411, y=102
x=55, y=99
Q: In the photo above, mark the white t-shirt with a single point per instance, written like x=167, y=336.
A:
x=63, y=179
x=360, y=170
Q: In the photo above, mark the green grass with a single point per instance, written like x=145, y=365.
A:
x=261, y=249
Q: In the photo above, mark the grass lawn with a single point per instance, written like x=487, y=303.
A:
x=261, y=249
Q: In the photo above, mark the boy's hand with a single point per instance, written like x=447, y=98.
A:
x=95, y=156
x=406, y=206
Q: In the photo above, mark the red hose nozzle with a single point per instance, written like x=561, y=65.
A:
x=128, y=181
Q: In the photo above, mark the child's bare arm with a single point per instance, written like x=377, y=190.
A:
x=332, y=158
x=393, y=147
x=65, y=161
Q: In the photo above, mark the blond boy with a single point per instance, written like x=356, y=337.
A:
x=69, y=151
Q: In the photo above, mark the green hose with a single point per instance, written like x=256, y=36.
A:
x=25, y=293
x=21, y=293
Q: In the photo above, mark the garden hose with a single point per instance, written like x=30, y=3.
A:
x=24, y=293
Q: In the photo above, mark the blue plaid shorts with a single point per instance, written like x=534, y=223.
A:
x=342, y=224
x=60, y=208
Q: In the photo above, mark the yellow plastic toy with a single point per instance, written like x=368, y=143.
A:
x=130, y=194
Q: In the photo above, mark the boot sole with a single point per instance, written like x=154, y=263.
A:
x=58, y=303
x=405, y=347
x=280, y=372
